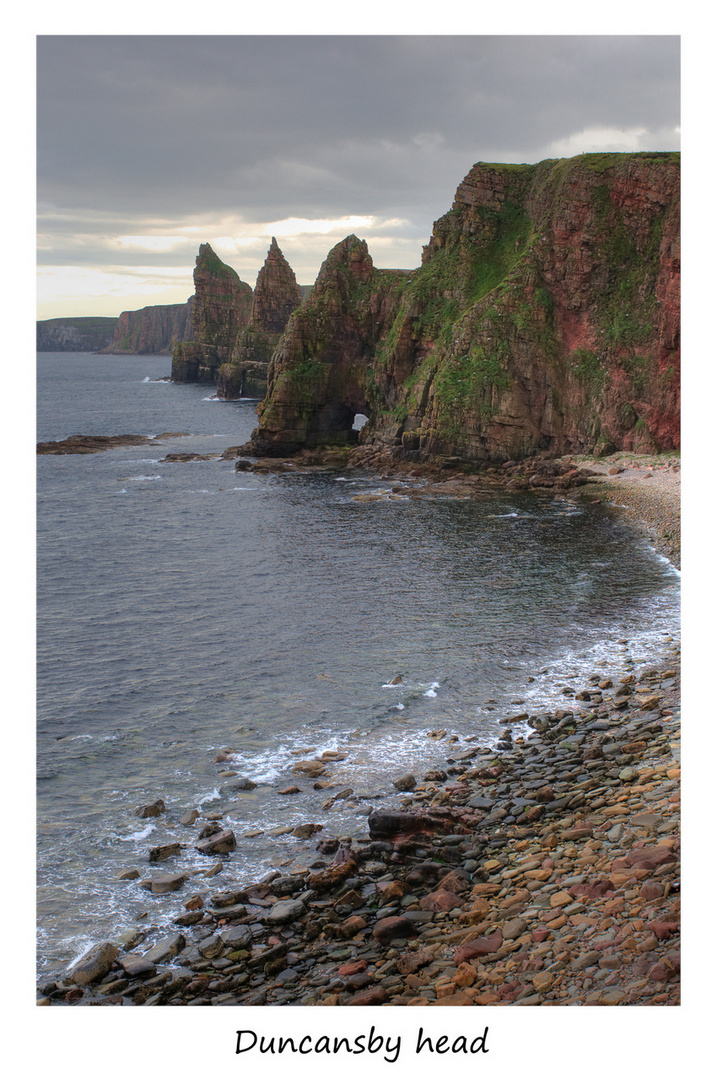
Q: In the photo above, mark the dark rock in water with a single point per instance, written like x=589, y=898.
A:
x=407, y=782
x=94, y=964
x=243, y=784
x=164, y=883
x=219, y=843
x=187, y=457
x=209, y=830
x=91, y=444
x=303, y=832
x=164, y=851
x=128, y=875
x=153, y=809
x=189, y=918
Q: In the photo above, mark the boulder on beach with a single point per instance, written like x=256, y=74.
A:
x=94, y=964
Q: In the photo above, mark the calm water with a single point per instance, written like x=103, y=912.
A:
x=186, y=608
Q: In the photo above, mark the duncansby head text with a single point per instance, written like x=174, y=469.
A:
x=387, y=1046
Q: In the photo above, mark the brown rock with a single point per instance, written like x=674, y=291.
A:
x=663, y=930
x=353, y=925
x=393, y=926
x=465, y=975
x=352, y=967
x=441, y=900
x=153, y=809
x=481, y=946
x=94, y=964
x=410, y=962
x=164, y=883
x=164, y=851
x=375, y=996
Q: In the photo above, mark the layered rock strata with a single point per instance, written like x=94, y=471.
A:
x=152, y=330
x=221, y=309
x=276, y=296
x=545, y=316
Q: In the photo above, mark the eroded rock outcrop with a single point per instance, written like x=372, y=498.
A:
x=221, y=309
x=276, y=295
x=320, y=374
x=544, y=317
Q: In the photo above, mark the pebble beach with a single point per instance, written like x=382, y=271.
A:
x=541, y=871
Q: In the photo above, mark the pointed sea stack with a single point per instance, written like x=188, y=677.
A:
x=221, y=310
x=544, y=318
x=276, y=296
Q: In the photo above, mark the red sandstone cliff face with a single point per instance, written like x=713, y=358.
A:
x=318, y=379
x=276, y=293
x=545, y=316
x=152, y=330
x=276, y=296
x=222, y=304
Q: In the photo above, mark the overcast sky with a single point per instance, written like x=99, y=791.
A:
x=149, y=146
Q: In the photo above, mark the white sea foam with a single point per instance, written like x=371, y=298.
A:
x=141, y=834
x=143, y=477
x=431, y=691
x=208, y=796
x=263, y=768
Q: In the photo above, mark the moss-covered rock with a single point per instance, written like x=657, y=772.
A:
x=544, y=316
x=220, y=311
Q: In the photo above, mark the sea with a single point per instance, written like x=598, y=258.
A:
x=188, y=612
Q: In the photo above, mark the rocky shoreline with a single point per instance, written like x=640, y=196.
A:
x=543, y=871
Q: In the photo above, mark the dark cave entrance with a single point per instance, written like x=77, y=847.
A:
x=341, y=422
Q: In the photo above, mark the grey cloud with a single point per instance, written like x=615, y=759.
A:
x=136, y=130
x=169, y=122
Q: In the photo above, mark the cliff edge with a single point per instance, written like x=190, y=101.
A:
x=545, y=316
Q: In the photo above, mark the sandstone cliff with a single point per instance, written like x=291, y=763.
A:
x=276, y=295
x=545, y=316
x=221, y=308
x=152, y=330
